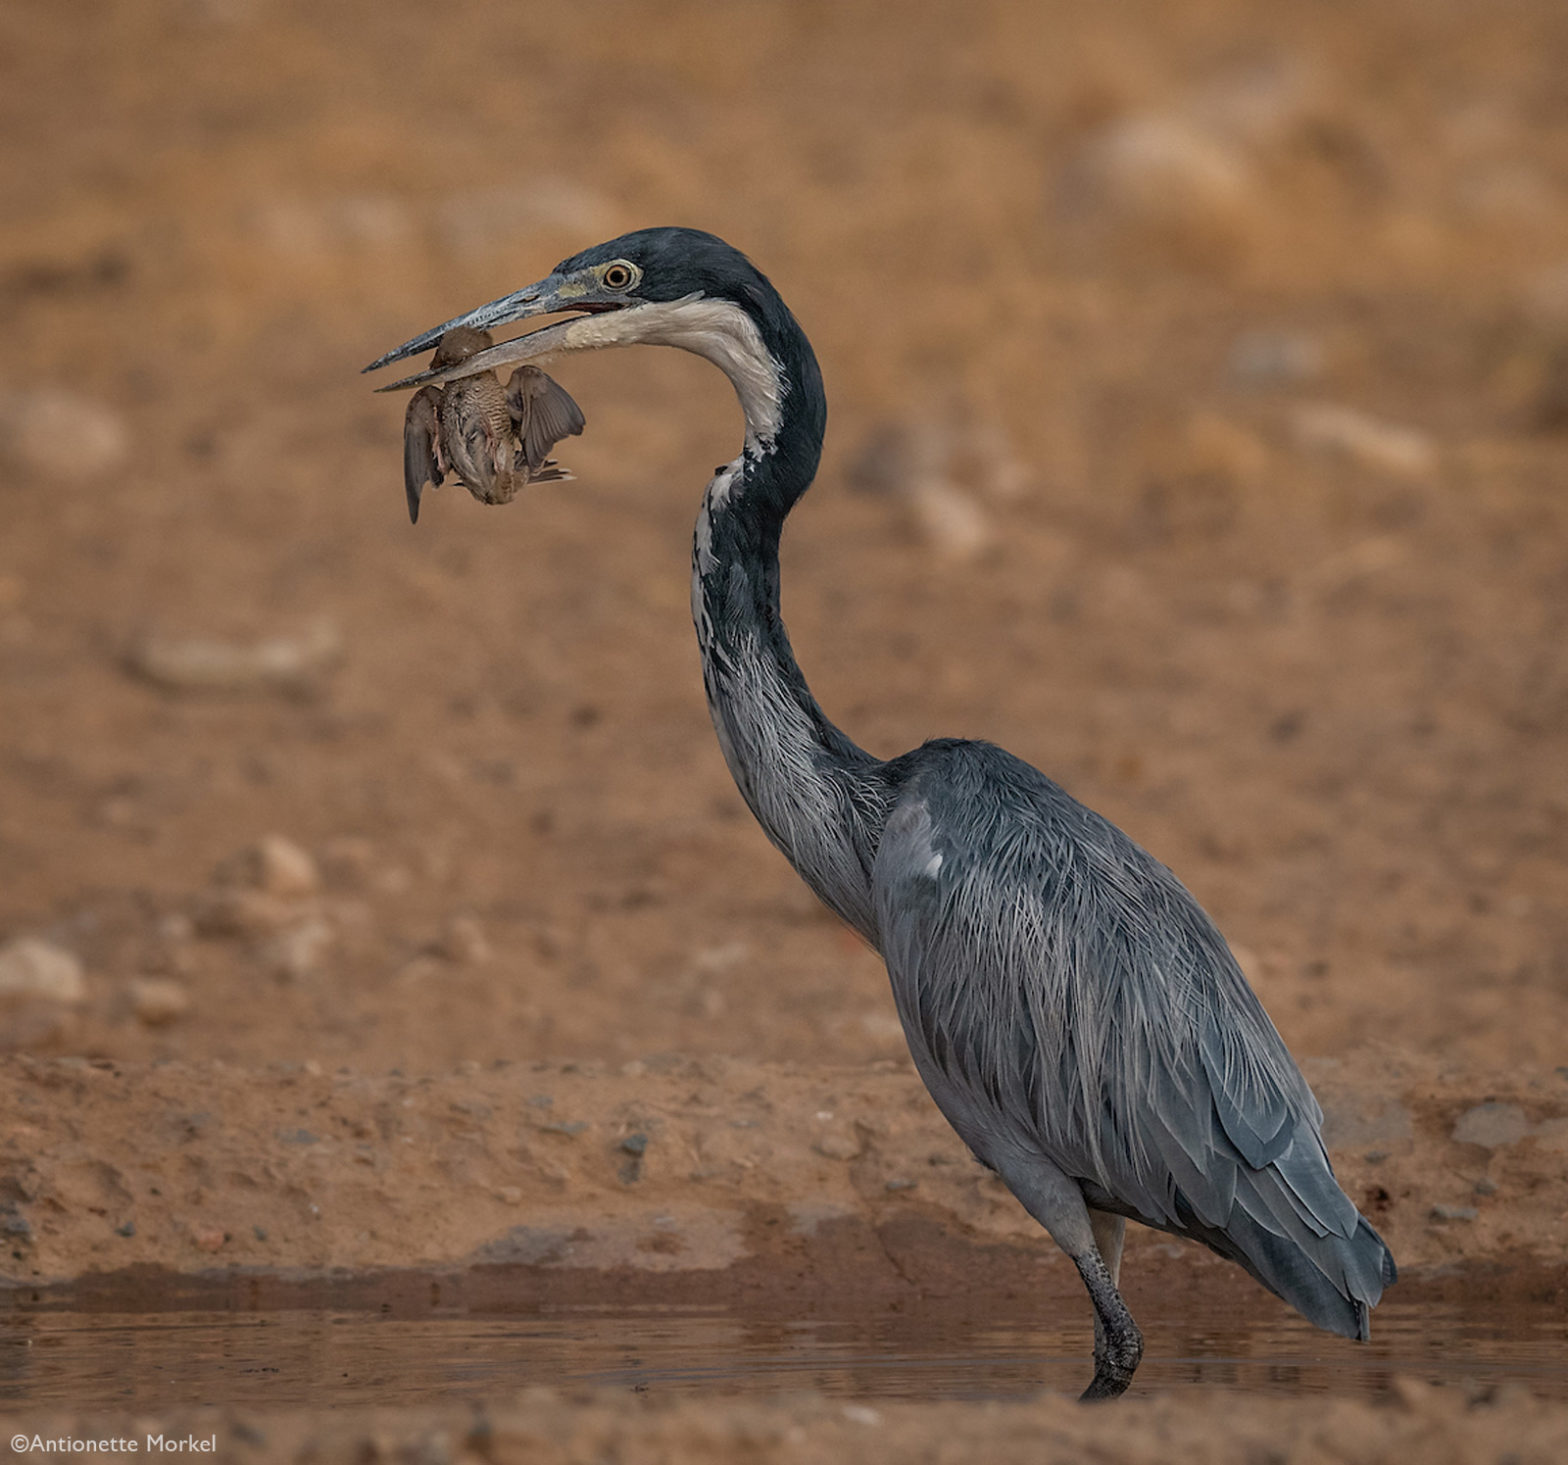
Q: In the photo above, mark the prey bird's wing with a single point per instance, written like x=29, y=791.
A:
x=421, y=447
x=544, y=412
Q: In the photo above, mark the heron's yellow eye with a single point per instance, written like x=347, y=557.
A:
x=617, y=276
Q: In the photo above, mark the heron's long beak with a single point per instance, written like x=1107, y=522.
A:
x=547, y=297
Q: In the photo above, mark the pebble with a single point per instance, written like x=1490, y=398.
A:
x=1352, y=1119
x=950, y=520
x=1275, y=358
x=61, y=435
x=1165, y=176
x=1491, y=1125
x=838, y=1145
x=30, y=967
x=298, y=951
x=281, y=867
x=463, y=942
x=282, y=664
x=1345, y=432
x=157, y=1001
x=242, y=913
x=942, y=466
x=208, y=1238
x=1454, y=1213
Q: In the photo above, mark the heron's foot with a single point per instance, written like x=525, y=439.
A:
x=1118, y=1345
x=1115, y=1362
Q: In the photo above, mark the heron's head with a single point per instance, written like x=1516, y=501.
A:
x=666, y=287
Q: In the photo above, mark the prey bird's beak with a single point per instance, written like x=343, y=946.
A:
x=547, y=297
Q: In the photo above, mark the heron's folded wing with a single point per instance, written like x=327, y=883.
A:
x=1062, y=991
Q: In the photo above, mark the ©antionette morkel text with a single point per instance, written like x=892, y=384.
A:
x=152, y=1444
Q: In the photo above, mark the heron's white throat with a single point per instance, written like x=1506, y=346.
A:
x=716, y=330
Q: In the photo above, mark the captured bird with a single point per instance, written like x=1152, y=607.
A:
x=1075, y=1015
x=477, y=428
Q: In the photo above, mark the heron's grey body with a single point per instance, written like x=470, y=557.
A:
x=1076, y=1016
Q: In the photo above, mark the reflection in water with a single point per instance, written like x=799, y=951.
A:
x=304, y=1356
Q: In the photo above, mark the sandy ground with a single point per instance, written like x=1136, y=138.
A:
x=669, y=1166
x=1199, y=377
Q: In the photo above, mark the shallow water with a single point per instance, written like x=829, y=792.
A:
x=317, y=1356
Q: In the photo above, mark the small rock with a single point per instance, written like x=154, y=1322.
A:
x=1275, y=358
x=949, y=520
x=897, y=1185
x=297, y=952
x=60, y=435
x=1344, y=432
x=158, y=1001
x=281, y=867
x=1491, y=1125
x=862, y=1414
x=940, y=465
x=1166, y=176
x=635, y=1144
x=126, y=1229
x=33, y=968
x=1485, y=1186
x=1352, y=1118
x=509, y=1195
x=1454, y=1213
x=241, y=913
x=287, y=664
x=208, y=1238
x=463, y=942
x=176, y=927
x=838, y=1145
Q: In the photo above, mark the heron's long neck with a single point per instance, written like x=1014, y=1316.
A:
x=805, y=781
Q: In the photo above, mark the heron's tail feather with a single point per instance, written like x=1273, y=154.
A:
x=1334, y=1283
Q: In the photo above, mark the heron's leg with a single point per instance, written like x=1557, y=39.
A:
x=1108, y=1232
x=1057, y=1203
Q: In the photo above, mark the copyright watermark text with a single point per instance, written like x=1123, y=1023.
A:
x=151, y=1444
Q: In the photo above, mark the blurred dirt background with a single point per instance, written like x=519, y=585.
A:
x=1199, y=388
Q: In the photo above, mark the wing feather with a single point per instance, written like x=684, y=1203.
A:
x=421, y=447
x=544, y=413
x=1064, y=995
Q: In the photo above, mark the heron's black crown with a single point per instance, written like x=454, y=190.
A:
x=677, y=263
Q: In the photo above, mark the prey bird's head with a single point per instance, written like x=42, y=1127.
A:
x=665, y=287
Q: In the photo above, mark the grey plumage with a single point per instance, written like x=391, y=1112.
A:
x=1076, y=1016
x=1065, y=997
